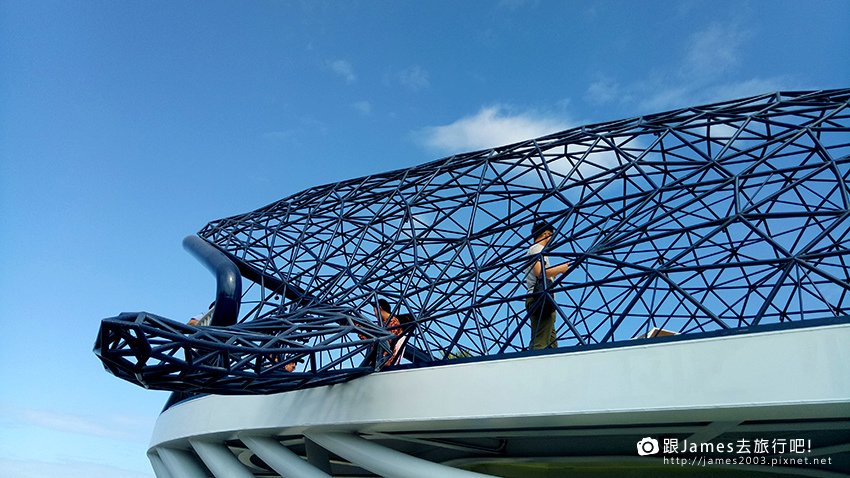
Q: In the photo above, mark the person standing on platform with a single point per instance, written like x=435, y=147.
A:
x=540, y=303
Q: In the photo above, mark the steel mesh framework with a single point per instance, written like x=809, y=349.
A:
x=716, y=217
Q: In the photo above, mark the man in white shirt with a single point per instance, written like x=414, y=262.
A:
x=542, y=321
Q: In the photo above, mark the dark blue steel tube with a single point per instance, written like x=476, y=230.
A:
x=228, y=281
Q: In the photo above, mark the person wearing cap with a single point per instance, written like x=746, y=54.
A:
x=542, y=320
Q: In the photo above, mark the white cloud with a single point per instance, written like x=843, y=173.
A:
x=343, y=69
x=751, y=87
x=705, y=73
x=414, y=78
x=679, y=96
x=603, y=91
x=488, y=128
x=362, y=107
x=668, y=97
x=714, y=50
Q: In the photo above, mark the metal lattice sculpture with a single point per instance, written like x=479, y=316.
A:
x=716, y=217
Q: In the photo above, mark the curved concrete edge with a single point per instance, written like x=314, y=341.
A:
x=720, y=378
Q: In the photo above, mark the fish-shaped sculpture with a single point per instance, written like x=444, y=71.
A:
x=718, y=217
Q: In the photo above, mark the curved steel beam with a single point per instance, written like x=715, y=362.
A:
x=228, y=281
x=281, y=459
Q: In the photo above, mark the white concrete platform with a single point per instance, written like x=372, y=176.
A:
x=556, y=409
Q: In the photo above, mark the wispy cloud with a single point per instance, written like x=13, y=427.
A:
x=751, y=87
x=678, y=96
x=124, y=427
x=293, y=133
x=488, y=128
x=668, y=96
x=715, y=50
x=707, y=72
x=65, y=469
x=604, y=90
x=363, y=107
x=414, y=78
x=343, y=69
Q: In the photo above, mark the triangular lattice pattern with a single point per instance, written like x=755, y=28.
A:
x=715, y=217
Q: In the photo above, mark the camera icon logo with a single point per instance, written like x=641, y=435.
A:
x=647, y=446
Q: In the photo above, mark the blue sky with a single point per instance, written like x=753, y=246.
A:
x=125, y=126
